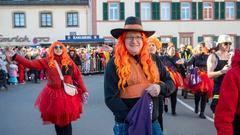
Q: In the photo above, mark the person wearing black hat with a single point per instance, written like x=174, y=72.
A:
x=131, y=72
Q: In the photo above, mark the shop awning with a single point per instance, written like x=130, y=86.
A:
x=82, y=39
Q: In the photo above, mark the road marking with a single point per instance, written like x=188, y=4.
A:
x=190, y=108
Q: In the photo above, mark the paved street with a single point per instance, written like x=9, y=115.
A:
x=19, y=117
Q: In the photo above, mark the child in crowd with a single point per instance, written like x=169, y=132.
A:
x=13, y=69
x=3, y=78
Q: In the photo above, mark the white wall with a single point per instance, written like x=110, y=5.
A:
x=169, y=28
x=32, y=13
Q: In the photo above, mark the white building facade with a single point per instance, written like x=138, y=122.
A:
x=179, y=21
x=41, y=22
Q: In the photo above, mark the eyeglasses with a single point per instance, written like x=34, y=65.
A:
x=138, y=38
x=227, y=43
x=58, y=47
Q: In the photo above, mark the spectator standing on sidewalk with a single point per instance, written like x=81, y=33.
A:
x=75, y=57
x=21, y=69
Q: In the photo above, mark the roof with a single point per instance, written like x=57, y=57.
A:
x=44, y=2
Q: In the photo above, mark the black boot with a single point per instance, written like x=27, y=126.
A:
x=196, y=99
x=196, y=109
x=173, y=102
x=174, y=113
x=185, y=95
x=202, y=116
x=166, y=108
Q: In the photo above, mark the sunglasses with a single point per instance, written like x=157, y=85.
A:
x=58, y=47
x=227, y=43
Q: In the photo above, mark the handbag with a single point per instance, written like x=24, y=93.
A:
x=68, y=88
x=194, y=77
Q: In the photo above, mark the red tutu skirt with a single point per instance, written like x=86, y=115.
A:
x=58, y=108
x=206, y=84
x=176, y=77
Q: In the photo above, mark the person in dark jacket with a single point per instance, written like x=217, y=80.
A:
x=154, y=47
x=131, y=72
x=173, y=65
x=75, y=57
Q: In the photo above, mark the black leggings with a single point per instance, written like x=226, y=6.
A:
x=203, y=97
x=236, y=125
x=173, y=98
x=160, y=120
x=65, y=130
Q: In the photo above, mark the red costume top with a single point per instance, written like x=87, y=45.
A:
x=54, y=104
x=228, y=103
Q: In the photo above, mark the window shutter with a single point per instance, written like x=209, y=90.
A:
x=122, y=11
x=137, y=9
x=216, y=10
x=175, y=11
x=215, y=38
x=238, y=9
x=194, y=13
x=155, y=11
x=159, y=13
x=237, y=42
x=200, y=39
x=174, y=41
x=105, y=11
x=222, y=7
x=200, y=11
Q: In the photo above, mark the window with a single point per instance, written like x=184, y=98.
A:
x=146, y=11
x=46, y=19
x=229, y=12
x=72, y=19
x=19, y=20
x=165, y=11
x=186, y=39
x=165, y=39
x=185, y=11
x=113, y=11
x=207, y=10
x=209, y=43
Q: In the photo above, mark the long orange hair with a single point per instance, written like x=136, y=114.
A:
x=155, y=41
x=65, y=58
x=123, y=64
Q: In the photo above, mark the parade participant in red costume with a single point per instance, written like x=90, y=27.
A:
x=55, y=105
x=227, y=115
x=174, y=66
x=199, y=82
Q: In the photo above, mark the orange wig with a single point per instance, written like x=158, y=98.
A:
x=65, y=58
x=123, y=64
x=155, y=41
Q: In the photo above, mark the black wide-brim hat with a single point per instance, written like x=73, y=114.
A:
x=132, y=24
